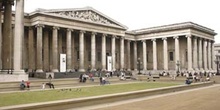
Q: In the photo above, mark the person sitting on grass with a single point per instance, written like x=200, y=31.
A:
x=22, y=85
x=188, y=81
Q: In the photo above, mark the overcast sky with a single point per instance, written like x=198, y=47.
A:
x=137, y=14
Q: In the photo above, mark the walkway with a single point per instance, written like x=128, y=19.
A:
x=206, y=98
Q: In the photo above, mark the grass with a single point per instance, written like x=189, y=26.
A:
x=8, y=99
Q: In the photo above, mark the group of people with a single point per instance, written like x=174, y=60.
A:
x=24, y=85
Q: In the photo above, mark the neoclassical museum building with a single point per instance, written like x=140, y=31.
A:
x=79, y=39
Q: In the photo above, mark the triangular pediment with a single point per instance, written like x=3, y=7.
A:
x=85, y=14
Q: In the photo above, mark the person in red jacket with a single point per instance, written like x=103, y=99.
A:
x=28, y=84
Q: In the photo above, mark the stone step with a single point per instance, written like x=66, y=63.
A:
x=67, y=82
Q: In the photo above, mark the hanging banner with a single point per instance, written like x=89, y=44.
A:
x=109, y=63
x=62, y=62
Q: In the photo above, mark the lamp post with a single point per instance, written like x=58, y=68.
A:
x=178, y=66
x=217, y=64
x=139, y=65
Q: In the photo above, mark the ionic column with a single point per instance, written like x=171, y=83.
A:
x=31, y=50
x=55, y=49
x=69, y=49
x=128, y=56
x=205, y=54
x=144, y=55
x=154, y=54
x=39, y=47
x=93, y=51
x=46, y=51
x=7, y=35
x=209, y=55
x=189, y=51
x=113, y=53
x=177, y=52
x=135, y=55
x=122, y=53
x=81, y=51
x=200, y=54
x=19, y=33
x=104, y=52
x=73, y=52
x=165, y=57
x=213, y=57
x=195, y=59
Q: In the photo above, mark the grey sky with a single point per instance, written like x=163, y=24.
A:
x=136, y=14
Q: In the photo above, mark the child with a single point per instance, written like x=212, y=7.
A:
x=43, y=86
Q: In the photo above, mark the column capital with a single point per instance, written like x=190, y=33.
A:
x=128, y=41
x=94, y=33
x=68, y=29
x=189, y=35
x=176, y=37
x=11, y=2
x=56, y=28
x=154, y=40
x=82, y=31
x=212, y=41
x=114, y=36
x=104, y=35
x=164, y=38
x=122, y=37
x=194, y=37
x=143, y=40
x=39, y=25
x=30, y=28
x=200, y=38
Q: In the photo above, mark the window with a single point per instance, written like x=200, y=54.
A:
x=171, y=56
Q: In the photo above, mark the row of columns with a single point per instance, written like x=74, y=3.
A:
x=68, y=52
x=204, y=62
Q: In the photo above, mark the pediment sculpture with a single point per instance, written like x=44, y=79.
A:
x=87, y=15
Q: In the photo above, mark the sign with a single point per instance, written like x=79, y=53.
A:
x=62, y=62
x=109, y=63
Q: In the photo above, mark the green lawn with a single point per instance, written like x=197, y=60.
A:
x=7, y=99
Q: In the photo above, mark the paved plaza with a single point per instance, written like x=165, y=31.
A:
x=206, y=98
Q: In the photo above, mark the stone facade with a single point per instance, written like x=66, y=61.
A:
x=87, y=37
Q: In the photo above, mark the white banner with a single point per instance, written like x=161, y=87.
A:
x=109, y=63
x=62, y=62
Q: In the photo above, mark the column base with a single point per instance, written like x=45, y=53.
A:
x=39, y=70
x=82, y=70
x=93, y=69
x=55, y=70
x=70, y=70
x=18, y=72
